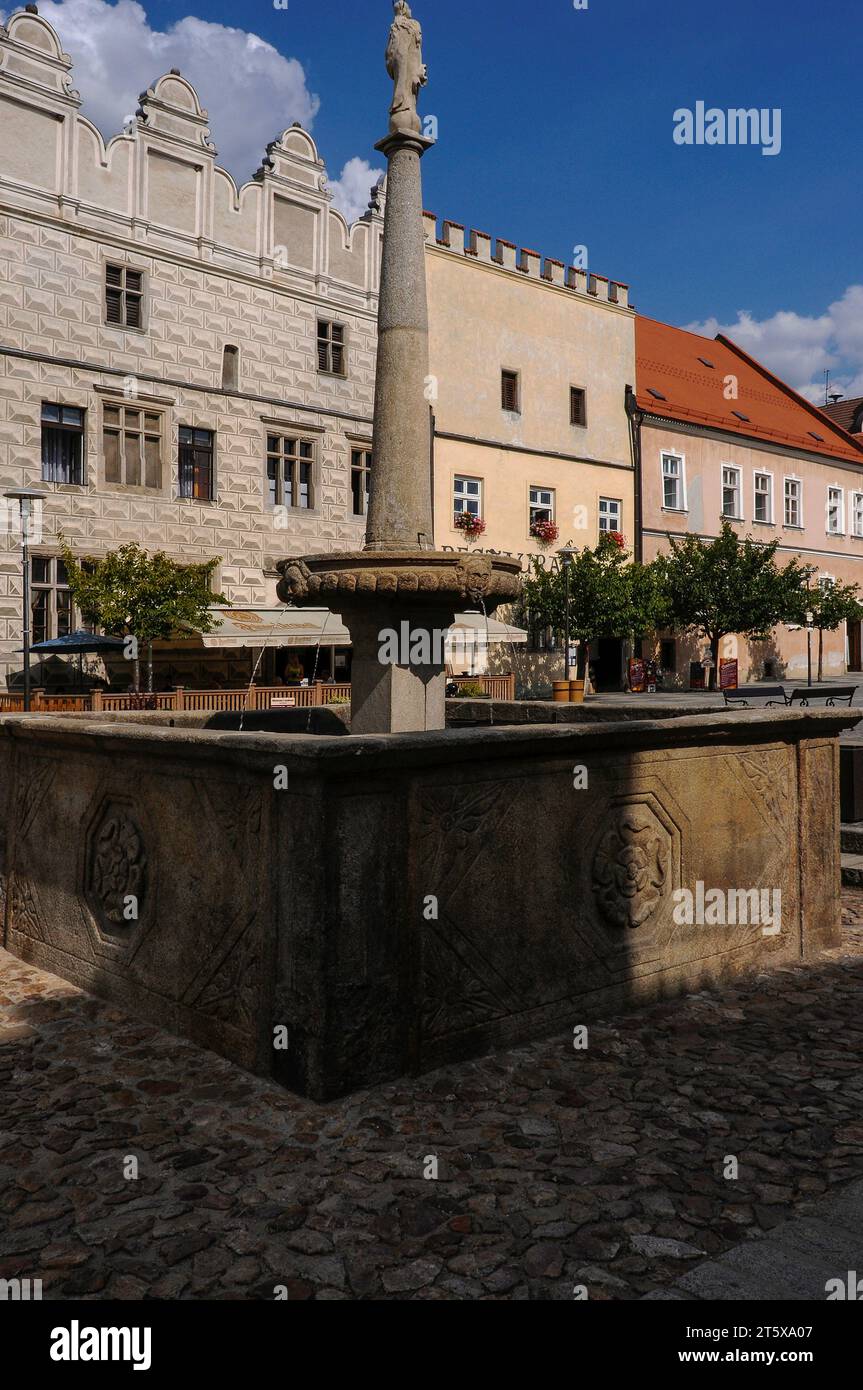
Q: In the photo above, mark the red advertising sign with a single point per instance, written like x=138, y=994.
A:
x=637, y=676
x=727, y=674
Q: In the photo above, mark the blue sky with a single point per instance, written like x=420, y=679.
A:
x=555, y=129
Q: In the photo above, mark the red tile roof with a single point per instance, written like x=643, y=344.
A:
x=847, y=413
x=672, y=380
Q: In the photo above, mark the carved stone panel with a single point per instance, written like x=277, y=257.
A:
x=632, y=864
x=116, y=873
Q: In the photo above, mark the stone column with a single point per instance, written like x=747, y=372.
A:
x=400, y=504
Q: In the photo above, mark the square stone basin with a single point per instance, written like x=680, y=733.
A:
x=335, y=911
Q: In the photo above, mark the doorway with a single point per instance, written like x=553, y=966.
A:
x=608, y=663
x=855, y=646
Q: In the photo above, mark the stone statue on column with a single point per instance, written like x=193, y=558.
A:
x=406, y=67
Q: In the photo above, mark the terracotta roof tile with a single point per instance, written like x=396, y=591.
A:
x=672, y=362
x=847, y=413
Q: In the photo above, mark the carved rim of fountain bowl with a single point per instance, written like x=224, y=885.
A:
x=423, y=576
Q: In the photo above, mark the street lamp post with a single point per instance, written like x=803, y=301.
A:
x=810, y=619
x=566, y=554
x=24, y=497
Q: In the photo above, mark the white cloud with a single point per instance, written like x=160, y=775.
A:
x=800, y=348
x=250, y=90
x=351, y=192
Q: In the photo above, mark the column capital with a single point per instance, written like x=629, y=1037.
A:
x=404, y=139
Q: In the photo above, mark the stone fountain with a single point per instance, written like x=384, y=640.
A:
x=390, y=904
x=399, y=578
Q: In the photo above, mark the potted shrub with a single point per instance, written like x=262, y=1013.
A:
x=472, y=690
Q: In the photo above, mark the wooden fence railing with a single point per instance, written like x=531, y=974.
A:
x=217, y=701
x=497, y=687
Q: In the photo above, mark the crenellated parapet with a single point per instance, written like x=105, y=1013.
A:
x=521, y=261
x=158, y=181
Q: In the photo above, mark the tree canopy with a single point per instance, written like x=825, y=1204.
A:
x=131, y=592
x=610, y=595
x=730, y=585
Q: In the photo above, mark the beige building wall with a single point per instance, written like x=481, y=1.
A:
x=498, y=312
x=833, y=556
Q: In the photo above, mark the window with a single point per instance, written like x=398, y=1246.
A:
x=132, y=445
x=577, y=406
x=50, y=598
x=290, y=464
x=673, y=490
x=731, y=492
x=509, y=392
x=62, y=443
x=541, y=504
x=610, y=514
x=331, y=347
x=793, y=502
x=857, y=513
x=230, y=369
x=124, y=296
x=826, y=581
x=835, y=511
x=467, y=496
x=196, y=463
x=361, y=472
x=763, y=497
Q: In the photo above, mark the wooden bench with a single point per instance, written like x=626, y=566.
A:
x=830, y=694
x=744, y=694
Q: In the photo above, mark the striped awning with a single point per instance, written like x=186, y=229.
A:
x=311, y=627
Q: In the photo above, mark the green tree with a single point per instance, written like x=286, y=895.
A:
x=830, y=605
x=610, y=595
x=729, y=585
x=130, y=592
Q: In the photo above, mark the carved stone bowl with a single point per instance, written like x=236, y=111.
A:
x=422, y=579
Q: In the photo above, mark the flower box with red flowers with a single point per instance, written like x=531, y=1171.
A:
x=472, y=526
x=545, y=532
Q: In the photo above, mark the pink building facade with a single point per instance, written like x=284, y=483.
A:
x=718, y=437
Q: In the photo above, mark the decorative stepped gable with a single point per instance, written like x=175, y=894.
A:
x=158, y=182
x=506, y=256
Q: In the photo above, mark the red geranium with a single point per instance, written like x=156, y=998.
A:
x=472, y=526
x=545, y=532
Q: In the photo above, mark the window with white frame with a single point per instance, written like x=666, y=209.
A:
x=467, y=496
x=673, y=483
x=731, y=492
x=835, y=511
x=610, y=514
x=763, y=497
x=857, y=513
x=541, y=504
x=793, y=502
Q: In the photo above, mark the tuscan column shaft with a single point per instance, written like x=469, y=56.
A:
x=400, y=502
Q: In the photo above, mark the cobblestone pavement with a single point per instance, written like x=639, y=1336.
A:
x=555, y=1167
